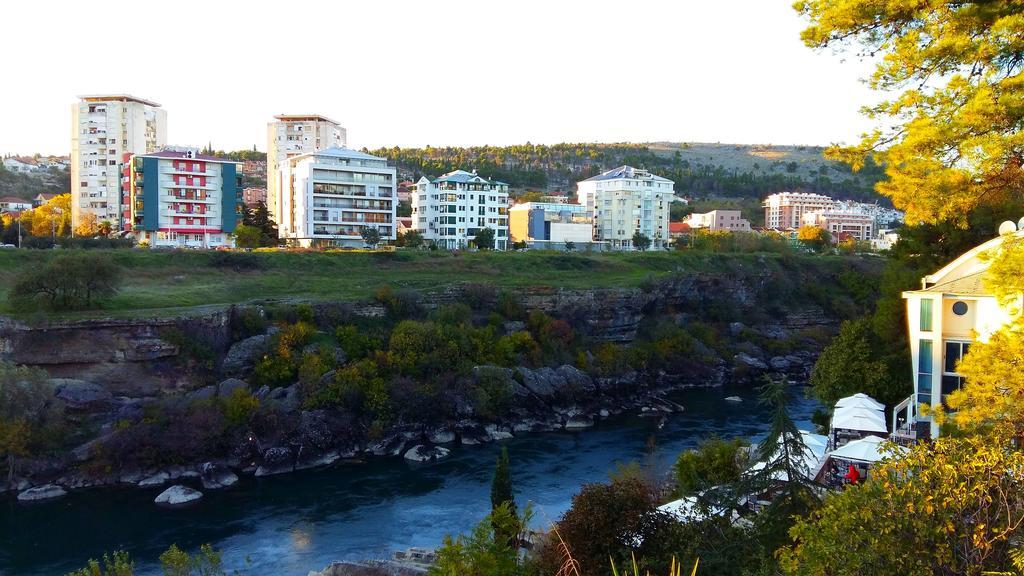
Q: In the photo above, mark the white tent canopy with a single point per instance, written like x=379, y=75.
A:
x=809, y=462
x=866, y=449
x=860, y=400
x=860, y=419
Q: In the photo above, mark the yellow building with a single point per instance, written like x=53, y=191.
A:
x=952, y=309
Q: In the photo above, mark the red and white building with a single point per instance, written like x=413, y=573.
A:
x=181, y=198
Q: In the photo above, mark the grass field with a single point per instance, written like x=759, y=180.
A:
x=158, y=283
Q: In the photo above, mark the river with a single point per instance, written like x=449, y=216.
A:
x=294, y=523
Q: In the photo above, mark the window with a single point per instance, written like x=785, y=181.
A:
x=926, y=314
x=951, y=380
x=960, y=308
x=924, y=372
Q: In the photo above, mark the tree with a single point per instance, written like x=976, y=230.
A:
x=850, y=364
x=259, y=217
x=952, y=507
x=88, y=226
x=403, y=209
x=950, y=139
x=640, y=241
x=248, y=236
x=116, y=564
x=484, y=239
x=817, y=238
x=173, y=562
x=713, y=463
x=570, y=245
x=28, y=414
x=411, y=239
x=371, y=236
x=68, y=281
x=605, y=520
x=484, y=551
x=501, y=484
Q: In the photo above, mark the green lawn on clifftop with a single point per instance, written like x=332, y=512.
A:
x=159, y=282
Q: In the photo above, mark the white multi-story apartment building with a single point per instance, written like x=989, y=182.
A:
x=952, y=309
x=883, y=217
x=786, y=210
x=451, y=209
x=329, y=196
x=105, y=129
x=178, y=197
x=626, y=200
x=291, y=135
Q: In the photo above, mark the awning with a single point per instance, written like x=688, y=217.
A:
x=860, y=419
x=860, y=400
x=866, y=449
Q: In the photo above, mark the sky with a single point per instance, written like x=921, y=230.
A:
x=437, y=72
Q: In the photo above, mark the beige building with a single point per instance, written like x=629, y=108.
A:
x=106, y=129
x=786, y=209
x=718, y=221
x=952, y=309
x=842, y=224
x=291, y=135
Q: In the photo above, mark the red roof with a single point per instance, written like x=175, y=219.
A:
x=13, y=200
x=678, y=227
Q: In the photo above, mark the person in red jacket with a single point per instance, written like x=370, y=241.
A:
x=852, y=475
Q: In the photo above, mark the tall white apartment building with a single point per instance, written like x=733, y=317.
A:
x=330, y=195
x=451, y=209
x=626, y=200
x=786, y=209
x=105, y=129
x=291, y=135
x=842, y=223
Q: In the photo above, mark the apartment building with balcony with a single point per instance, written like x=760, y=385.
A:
x=104, y=128
x=180, y=198
x=786, y=210
x=842, y=223
x=330, y=195
x=626, y=200
x=451, y=209
x=952, y=310
x=291, y=135
x=551, y=225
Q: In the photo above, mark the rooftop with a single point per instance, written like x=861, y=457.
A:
x=171, y=153
x=463, y=176
x=339, y=152
x=304, y=118
x=969, y=285
x=117, y=98
x=626, y=172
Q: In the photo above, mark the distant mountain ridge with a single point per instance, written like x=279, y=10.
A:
x=699, y=169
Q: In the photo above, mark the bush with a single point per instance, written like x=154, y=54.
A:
x=237, y=261
x=68, y=282
x=713, y=463
x=239, y=407
x=400, y=304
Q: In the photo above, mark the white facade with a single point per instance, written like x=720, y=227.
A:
x=104, y=129
x=952, y=309
x=329, y=196
x=626, y=200
x=291, y=135
x=13, y=164
x=449, y=210
x=719, y=220
x=786, y=209
x=12, y=204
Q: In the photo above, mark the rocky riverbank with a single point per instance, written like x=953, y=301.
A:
x=119, y=380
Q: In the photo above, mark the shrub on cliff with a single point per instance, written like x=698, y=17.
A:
x=69, y=281
x=30, y=419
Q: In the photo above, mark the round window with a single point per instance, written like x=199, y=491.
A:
x=959, y=308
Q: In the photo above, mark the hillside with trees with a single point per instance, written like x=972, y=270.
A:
x=698, y=170
x=28, y=186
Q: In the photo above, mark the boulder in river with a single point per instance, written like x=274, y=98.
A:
x=158, y=479
x=215, y=476
x=579, y=422
x=178, y=495
x=276, y=460
x=734, y=399
x=421, y=453
x=46, y=492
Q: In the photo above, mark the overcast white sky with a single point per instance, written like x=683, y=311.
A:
x=431, y=71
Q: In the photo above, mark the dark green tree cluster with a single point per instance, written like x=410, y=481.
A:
x=261, y=230
x=70, y=281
